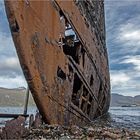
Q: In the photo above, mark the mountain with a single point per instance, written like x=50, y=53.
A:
x=120, y=100
x=14, y=97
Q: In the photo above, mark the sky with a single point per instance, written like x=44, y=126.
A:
x=123, y=44
x=122, y=41
x=11, y=75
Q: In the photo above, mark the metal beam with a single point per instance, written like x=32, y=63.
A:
x=26, y=101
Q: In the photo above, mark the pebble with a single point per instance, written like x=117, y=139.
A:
x=87, y=133
x=96, y=131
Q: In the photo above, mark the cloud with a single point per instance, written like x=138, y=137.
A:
x=18, y=81
x=119, y=78
x=129, y=37
x=10, y=67
x=134, y=60
x=127, y=81
x=123, y=44
x=124, y=82
x=11, y=62
x=10, y=71
x=122, y=26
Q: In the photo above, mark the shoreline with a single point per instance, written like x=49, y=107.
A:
x=102, y=128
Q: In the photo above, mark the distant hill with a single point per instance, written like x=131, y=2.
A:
x=120, y=100
x=14, y=97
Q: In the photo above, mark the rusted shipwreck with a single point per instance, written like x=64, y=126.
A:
x=62, y=51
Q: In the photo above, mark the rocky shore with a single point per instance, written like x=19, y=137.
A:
x=75, y=132
x=100, y=129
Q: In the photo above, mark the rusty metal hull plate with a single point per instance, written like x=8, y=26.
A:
x=62, y=52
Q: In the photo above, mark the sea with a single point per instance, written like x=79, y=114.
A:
x=120, y=117
x=125, y=117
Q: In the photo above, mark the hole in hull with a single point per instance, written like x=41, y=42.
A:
x=76, y=90
x=15, y=27
x=91, y=80
x=61, y=74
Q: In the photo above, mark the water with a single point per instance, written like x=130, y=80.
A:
x=15, y=110
x=124, y=117
x=125, y=111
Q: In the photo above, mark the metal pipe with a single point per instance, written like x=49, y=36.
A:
x=26, y=101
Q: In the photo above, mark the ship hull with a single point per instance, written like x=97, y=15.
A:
x=63, y=58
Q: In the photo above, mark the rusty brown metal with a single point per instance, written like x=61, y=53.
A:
x=62, y=52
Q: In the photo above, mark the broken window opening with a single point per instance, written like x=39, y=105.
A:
x=61, y=74
x=76, y=90
x=70, y=75
x=88, y=109
x=85, y=92
x=71, y=45
x=69, y=31
x=90, y=98
x=83, y=56
x=68, y=27
x=72, y=49
x=86, y=101
x=69, y=41
x=83, y=106
x=61, y=14
x=81, y=93
x=77, y=83
x=91, y=80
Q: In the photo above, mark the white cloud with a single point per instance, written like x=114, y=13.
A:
x=18, y=81
x=123, y=38
x=131, y=35
x=11, y=75
x=119, y=78
x=125, y=82
x=128, y=36
x=10, y=62
x=135, y=60
x=129, y=31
